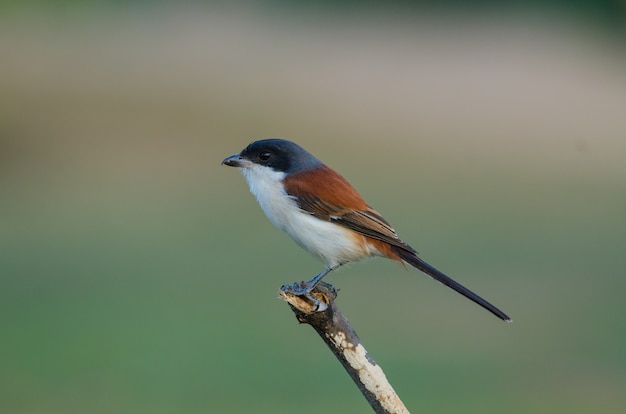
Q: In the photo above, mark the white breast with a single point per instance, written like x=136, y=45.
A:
x=330, y=242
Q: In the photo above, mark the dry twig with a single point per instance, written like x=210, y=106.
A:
x=337, y=333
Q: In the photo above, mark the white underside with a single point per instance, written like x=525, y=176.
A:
x=330, y=242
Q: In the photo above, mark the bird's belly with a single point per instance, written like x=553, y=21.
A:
x=330, y=242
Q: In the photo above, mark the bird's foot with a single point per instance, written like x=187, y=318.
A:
x=298, y=288
x=304, y=289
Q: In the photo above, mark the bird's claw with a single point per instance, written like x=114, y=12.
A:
x=298, y=288
x=304, y=289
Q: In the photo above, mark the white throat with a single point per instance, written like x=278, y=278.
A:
x=266, y=185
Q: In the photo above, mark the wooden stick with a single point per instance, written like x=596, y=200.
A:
x=337, y=333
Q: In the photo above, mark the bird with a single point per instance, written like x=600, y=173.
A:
x=325, y=215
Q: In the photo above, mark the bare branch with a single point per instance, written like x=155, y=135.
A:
x=337, y=333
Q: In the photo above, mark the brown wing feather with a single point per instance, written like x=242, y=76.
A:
x=326, y=195
x=325, y=184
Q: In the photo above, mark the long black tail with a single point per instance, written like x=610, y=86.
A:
x=415, y=261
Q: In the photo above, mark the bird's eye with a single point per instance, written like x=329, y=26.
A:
x=265, y=155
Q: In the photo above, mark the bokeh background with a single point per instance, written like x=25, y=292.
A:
x=139, y=275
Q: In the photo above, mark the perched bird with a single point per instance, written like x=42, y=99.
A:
x=324, y=214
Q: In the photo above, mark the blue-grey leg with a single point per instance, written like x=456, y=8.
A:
x=305, y=288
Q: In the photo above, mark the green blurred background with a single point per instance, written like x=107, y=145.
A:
x=138, y=275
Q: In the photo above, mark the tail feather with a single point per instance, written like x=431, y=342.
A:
x=412, y=259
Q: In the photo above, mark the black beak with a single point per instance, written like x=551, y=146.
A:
x=234, y=161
